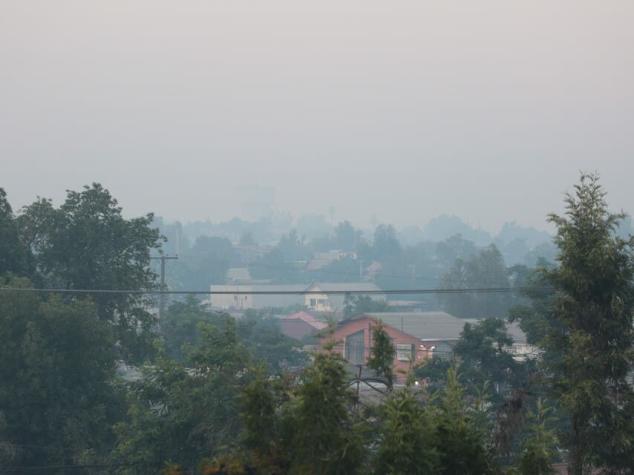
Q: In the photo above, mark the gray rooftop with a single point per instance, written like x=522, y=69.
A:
x=436, y=325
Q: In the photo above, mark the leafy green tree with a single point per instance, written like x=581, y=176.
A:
x=354, y=305
x=204, y=264
x=407, y=441
x=262, y=334
x=581, y=316
x=58, y=400
x=434, y=371
x=320, y=432
x=382, y=354
x=484, y=356
x=86, y=243
x=14, y=255
x=180, y=326
x=460, y=443
x=184, y=413
x=346, y=237
x=262, y=404
x=484, y=270
x=454, y=248
x=386, y=245
x=587, y=329
x=539, y=448
x=341, y=270
x=284, y=261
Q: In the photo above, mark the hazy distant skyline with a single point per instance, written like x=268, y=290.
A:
x=400, y=110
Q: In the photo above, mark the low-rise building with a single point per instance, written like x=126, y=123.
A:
x=256, y=296
x=318, y=297
x=354, y=340
x=334, y=295
x=301, y=325
x=440, y=331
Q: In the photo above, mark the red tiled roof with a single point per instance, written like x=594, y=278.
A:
x=308, y=318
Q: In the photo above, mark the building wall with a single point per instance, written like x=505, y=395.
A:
x=232, y=301
x=400, y=365
x=317, y=302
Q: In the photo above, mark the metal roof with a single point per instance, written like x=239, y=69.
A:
x=436, y=325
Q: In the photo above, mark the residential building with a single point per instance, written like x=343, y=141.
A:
x=244, y=297
x=301, y=325
x=440, y=331
x=258, y=296
x=354, y=339
x=333, y=297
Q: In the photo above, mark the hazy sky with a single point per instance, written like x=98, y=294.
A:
x=400, y=110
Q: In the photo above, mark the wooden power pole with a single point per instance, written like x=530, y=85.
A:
x=163, y=258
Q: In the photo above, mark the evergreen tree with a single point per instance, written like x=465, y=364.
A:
x=538, y=449
x=486, y=269
x=460, y=443
x=382, y=354
x=182, y=413
x=14, y=255
x=585, y=329
x=321, y=435
x=58, y=400
x=407, y=444
x=262, y=403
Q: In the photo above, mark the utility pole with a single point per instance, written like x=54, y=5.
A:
x=163, y=258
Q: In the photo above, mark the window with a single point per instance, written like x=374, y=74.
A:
x=313, y=302
x=405, y=352
x=355, y=348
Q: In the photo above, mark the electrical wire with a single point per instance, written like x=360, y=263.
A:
x=480, y=290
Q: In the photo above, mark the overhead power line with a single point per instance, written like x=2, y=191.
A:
x=481, y=290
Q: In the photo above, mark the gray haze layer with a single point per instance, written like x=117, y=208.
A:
x=392, y=110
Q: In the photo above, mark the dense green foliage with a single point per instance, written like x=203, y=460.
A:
x=180, y=413
x=355, y=305
x=57, y=398
x=322, y=436
x=539, y=448
x=483, y=270
x=14, y=255
x=382, y=354
x=460, y=442
x=92, y=383
x=585, y=329
x=407, y=443
x=86, y=243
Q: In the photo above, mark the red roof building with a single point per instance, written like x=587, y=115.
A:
x=353, y=339
x=300, y=325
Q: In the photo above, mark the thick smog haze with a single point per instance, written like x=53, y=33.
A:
x=383, y=111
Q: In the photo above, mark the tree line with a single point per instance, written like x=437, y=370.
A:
x=96, y=384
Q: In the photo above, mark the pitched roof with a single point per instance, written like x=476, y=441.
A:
x=436, y=325
x=393, y=328
x=308, y=318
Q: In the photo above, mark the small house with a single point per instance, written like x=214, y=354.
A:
x=353, y=339
x=301, y=325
